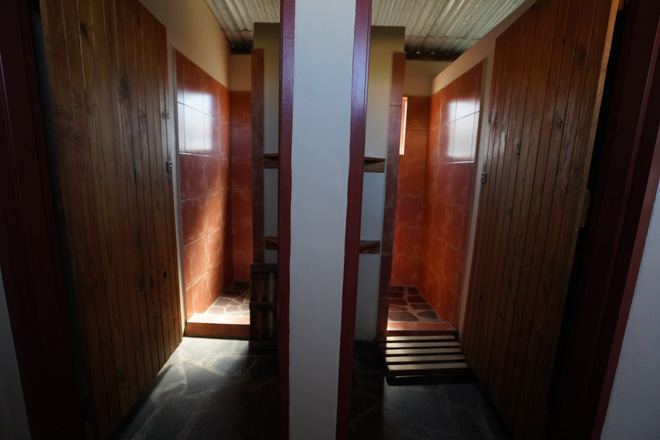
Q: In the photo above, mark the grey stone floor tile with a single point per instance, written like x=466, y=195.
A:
x=215, y=389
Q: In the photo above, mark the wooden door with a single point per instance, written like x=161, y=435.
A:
x=107, y=67
x=547, y=82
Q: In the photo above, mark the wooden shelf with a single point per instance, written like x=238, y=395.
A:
x=366, y=246
x=374, y=165
x=371, y=164
x=369, y=247
x=272, y=243
x=271, y=160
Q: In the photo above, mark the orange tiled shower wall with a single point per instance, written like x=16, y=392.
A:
x=450, y=167
x=203, y=117
x=410, y=195
x=241, y=182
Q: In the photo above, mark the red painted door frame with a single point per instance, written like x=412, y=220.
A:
x=29, y=252
x=624, y=184
x=353, y=214
x=287, y=45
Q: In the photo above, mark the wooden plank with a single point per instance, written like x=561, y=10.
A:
x=502, y=281
x=546, y=88
x=272, y=243
x=101, y=126
x=496, y=191
x=134, y=255
x=416, y=359
x=153, y=38
x=417, y=351
x=374, y=165
x=390, y=345
x=568, y=192
x=169, y=145
x=421, y=338
x=156, y=167
x=474, y=308
x=263, y=306
x=109, y=101
x=143, y=177
x=68, y=103
x=170, y=270
x=271, y=161
x=534, y=107
x=507, y=170
x=545, y=97
x=105, y=13
x=142, y=237
x=369, y=247
x=532, y=213
x=543, y=255
x=405, y=369
x=263, y=267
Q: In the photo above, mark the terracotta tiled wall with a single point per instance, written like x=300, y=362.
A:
x=410, y=195
x=453, y=127
x=241, y=182
x=203, y=112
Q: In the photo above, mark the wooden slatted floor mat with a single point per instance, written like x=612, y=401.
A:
x=423, y=354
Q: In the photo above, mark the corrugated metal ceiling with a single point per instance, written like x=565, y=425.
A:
x=433, y=27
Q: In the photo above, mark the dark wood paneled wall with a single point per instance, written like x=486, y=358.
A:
x=39, y=339
x=547, y=82
x=107, y=63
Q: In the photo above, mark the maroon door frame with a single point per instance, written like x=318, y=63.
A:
x=29, y=253
x=353, y=214
x=624, y=193
x=287, y=44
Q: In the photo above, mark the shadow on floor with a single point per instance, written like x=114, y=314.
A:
x=450, y=408
x=218, y=389
x=209, y=389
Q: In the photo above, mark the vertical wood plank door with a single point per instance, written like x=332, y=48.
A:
x=548, y=75
x=107, y=67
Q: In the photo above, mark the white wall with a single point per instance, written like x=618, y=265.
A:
x=320, y=159
x=484, y=49
x=267, y=37
x=193, y=31
x=384, y=41
x=419, y=76
x=13, y=418
x=634, y=409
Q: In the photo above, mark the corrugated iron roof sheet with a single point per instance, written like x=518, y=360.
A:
x=435, y=27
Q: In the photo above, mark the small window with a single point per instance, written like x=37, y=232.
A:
x=404, y=115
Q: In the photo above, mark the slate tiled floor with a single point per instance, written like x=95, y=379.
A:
x=408, y=305
x=217, y=389
x=209, y=389
x=232, y=302
x=439, y=411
